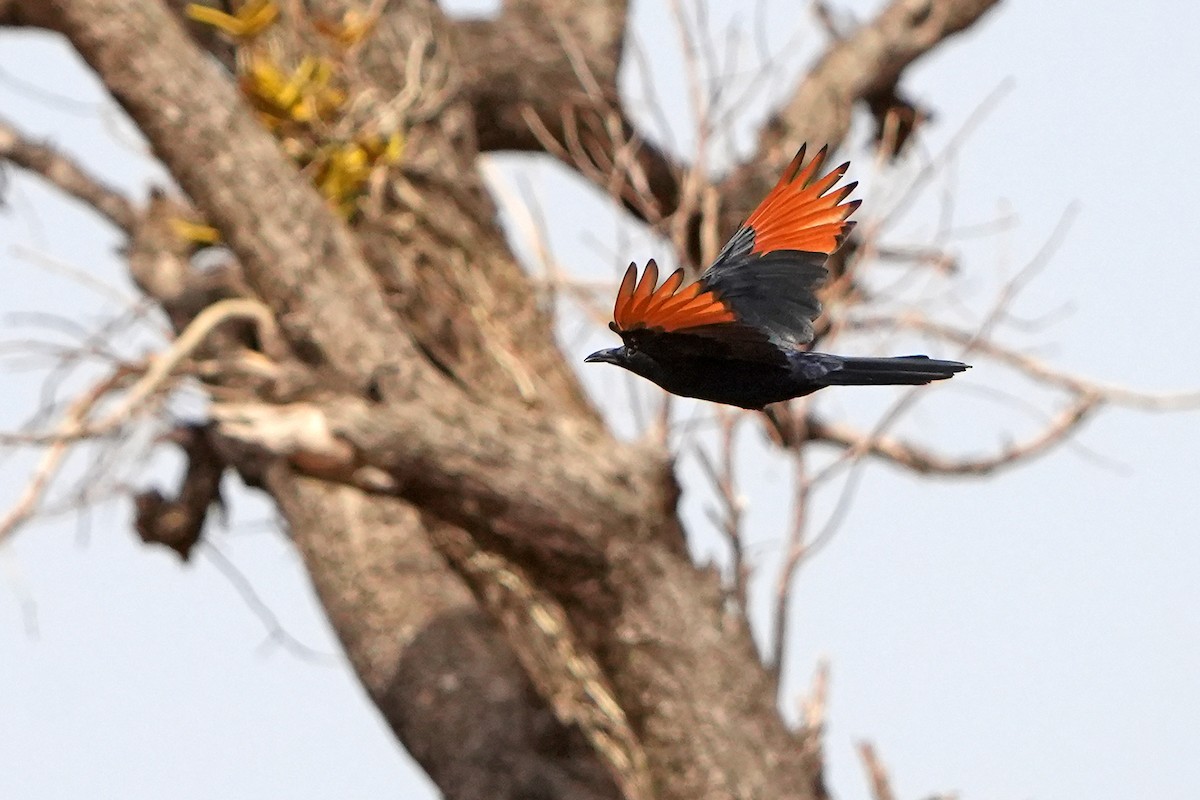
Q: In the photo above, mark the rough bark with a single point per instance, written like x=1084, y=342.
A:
x=509, y=581
x=547, y=69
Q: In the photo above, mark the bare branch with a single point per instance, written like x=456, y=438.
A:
x=276, y=632
x=75, y=425
x=116, y=294
x=813, y=708
x=543, y=77
x=163, y=366
x=795, y=551
x=43, y=475
x=881, y=785
x=927, y=462
x=733, y=504
x=815, y=703
x=155, y=375
x=864, y=62
x=461, y=464
x=861, y=64
x=63, y=172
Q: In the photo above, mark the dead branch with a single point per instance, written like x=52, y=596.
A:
x=813, y=707
x=544, y=73
x=460, y=463
x=155, y=375
x=522, y=108
x=861, y=63
x=163, y=366
x=43, y=475
x=79, y=275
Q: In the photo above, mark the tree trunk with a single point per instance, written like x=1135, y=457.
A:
x=510, y=582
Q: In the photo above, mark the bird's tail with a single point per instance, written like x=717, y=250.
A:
x=910, y=370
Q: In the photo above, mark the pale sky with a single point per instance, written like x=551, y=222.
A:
x=1031, y=635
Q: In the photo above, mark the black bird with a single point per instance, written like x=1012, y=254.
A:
x=736, y=334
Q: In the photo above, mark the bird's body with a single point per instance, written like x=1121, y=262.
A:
x=754, y=384
x=737, y=335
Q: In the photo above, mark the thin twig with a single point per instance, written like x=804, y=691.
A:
x=881, y=785
x=930, y=169
x=156, y=373
x=927, y=462
x=81, y=276
x=75, y=426
x=728, y=521
x=27, y=504
x=796, y=550
x=276, y=632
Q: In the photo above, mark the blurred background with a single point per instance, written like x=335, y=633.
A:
x=1029, y=634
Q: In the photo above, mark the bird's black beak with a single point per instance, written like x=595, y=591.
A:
x=612, y=356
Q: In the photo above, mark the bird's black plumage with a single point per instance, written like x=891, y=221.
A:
x=736, y=334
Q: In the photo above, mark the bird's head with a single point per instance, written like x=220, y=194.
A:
x=630, y=356
x=613, y=355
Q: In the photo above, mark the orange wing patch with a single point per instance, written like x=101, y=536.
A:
x=669, y=308
x=798, y=215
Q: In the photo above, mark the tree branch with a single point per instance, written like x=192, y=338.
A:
x=927, y=462
x=881, y=785
x=67, y=175
x=868, y=61
x=542, y=77
x=177, y=522
x=864, y=63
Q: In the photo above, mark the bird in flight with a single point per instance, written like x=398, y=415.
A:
x=736, y=335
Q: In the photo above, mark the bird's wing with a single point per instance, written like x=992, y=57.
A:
x=758, y=296
x=767, y=273
x=691, y=320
